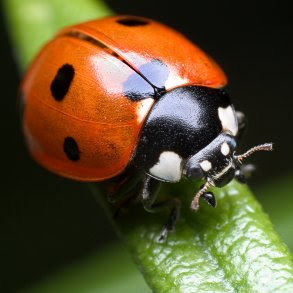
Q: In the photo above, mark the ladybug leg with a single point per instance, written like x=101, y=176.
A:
x=242, y=124
x=123, y=187
x=125, y=205
x=244, y=172
x=123, y=190
x=149, y=194
x=174, y=204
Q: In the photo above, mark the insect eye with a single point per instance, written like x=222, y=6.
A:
x=195, y=173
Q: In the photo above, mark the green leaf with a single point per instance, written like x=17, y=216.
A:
x=232, y=248
x=33, y=22
x=277, y=199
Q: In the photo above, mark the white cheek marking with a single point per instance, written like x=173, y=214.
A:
x=168, y=167
x=206, y=165
x=225, y=149
x=228, y=119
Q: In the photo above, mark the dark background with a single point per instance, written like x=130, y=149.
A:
x=47, y=221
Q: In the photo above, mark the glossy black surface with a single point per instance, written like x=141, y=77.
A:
x=212, y=153
x=209, y=197
x=226, y=177
x=184, y=121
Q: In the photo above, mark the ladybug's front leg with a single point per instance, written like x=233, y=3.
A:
x=244, y=172
x=149, y=194
x=124, y=186
x=124, y=191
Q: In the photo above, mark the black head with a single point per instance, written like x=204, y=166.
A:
x=217, y=163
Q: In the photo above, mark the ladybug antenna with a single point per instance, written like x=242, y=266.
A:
x=195, y=202
x=261, y=147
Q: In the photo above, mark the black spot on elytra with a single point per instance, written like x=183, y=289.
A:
x=62, y=81
x=136, y=88
x=132, y=21
x=71, y=149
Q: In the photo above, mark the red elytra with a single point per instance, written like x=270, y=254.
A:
x=82, y=112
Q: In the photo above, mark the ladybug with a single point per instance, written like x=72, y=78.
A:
x=128, y=93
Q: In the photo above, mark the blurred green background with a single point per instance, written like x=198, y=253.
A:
x=49, y=223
